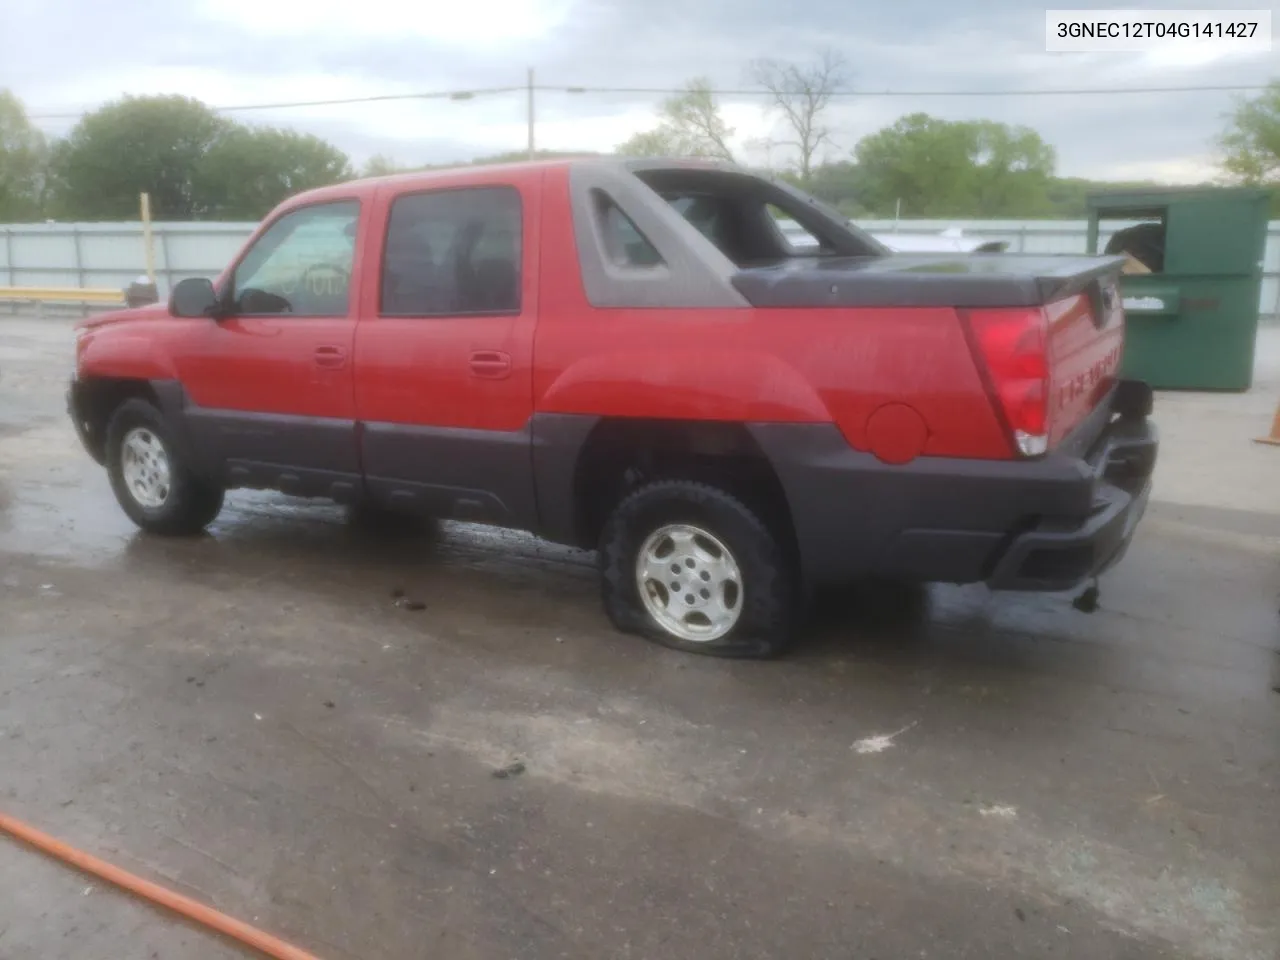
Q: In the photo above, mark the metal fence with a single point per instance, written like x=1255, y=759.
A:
x=112, y=254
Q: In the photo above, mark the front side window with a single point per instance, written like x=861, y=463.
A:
x=453, y=253
x=301, y=264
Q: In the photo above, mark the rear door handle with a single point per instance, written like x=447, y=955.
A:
x=332, y=357
x=490, y=364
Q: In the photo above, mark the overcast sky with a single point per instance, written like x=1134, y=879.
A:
x=65, y=56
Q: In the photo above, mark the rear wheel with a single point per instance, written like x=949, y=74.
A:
x=692, y=567
x=154, y=487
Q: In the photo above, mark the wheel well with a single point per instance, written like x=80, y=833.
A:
x=621, y=455
x=99, y=398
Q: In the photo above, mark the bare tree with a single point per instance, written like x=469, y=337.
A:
x=766, y=146
x=801, y=95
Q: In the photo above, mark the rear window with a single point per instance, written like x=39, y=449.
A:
x=756, y=221
x=452, y=253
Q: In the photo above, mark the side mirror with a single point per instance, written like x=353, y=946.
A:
x=194, y=297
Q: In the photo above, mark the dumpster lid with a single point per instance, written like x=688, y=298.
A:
x=1150, y=201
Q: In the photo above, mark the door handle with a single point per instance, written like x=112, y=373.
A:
x=490, y=364
x=332, y=357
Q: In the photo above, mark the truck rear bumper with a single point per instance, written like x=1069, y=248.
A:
x=1048, y=524
x=1059, y=555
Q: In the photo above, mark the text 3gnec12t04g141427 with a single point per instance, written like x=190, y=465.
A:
x=1242, y=31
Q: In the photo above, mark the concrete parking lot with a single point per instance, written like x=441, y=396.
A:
x=254, y=719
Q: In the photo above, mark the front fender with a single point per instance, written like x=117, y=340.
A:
x=123, y=356
x=712, y=384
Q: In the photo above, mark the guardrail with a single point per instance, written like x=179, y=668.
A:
x=62, y=295
x=82, y=299
x=138, y=294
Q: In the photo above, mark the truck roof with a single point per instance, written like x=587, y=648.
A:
x=466, y=173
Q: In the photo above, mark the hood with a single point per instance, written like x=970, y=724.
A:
x=152, y=311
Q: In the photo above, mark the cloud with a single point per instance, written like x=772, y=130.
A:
x=1188, y=169
x=232, y=52
x=475, y=25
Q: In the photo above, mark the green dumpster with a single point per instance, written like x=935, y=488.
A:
x=1192, y=285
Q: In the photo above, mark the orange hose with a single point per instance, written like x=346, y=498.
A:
x=198, y=912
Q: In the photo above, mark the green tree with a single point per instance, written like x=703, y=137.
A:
x=131, y=146
x=1013, y=167
x=246, y=171
x=1251, y=142
x=944, y=168
x=379, y=165
x=839, y=184
x=661, y=141
x=1067, y=196
x=194, y=163
x=690, y=125
x=522, y=156
x=23, y=158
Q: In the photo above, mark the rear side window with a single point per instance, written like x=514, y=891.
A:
x=453, y=253
x=625, y=245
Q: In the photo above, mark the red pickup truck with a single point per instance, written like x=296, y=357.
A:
x=631, y=357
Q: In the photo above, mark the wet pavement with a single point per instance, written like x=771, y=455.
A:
x=254, y=719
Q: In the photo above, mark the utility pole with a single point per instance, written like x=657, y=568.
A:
x=530, y=91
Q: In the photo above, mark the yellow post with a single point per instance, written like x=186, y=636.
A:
x=148, y=246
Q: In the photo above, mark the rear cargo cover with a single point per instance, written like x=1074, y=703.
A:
x=905, y=280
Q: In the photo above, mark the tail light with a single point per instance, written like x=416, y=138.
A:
x=1012, y=347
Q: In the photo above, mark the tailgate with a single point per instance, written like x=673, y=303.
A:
x=1085, y=346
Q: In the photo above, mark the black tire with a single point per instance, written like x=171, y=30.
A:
x=191, y=503
x=770, y=598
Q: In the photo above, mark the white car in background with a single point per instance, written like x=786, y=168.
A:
x=948, y=241
x=952, y=240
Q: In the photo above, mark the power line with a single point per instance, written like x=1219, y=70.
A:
x=1109, y=91
x=434, y=95
x=670, y=91
x=430, y=95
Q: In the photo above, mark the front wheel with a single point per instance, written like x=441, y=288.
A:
x=692, y=567
x=152, y=484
